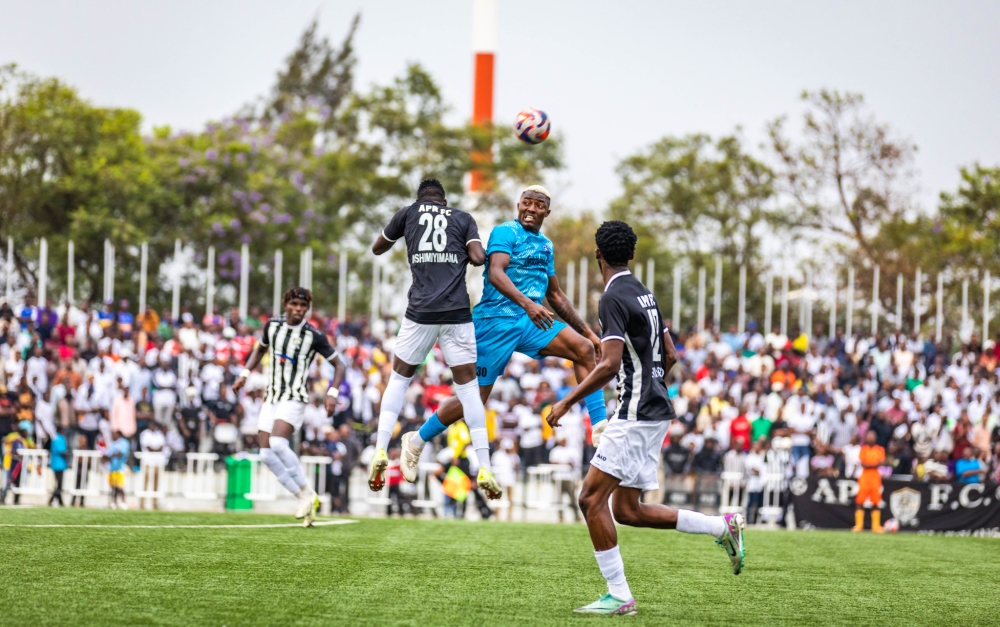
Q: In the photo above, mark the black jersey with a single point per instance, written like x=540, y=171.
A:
x=629, y=313
x=436, y=241
x=292, y=350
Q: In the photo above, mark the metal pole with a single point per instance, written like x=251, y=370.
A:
x=43, y=272
x=638, y=272
x=916, y=303
x=986, y=307
x=584, y=288
x=376, y=289
x=939, y=317
x=832, y=329
x=70, y=272
x=244, y=281
x=849, y=323
x=717, y=301
x=276, y=302
x=807, y=293
x=342, y=287
x=875, y=303
x=899, y=302
x=768, y=301
x=741, y=318
x=143, y=271
x=210, y=280
x=175, y=305
x=650, y=276
x=675, y=317
x=107, y=264
x=571, y=281
x=700, y=322
x=784, y=301
x=10, y=270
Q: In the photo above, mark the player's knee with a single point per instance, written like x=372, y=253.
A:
x=587, y=500
x=625, y=513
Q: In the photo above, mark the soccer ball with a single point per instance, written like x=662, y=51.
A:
x=532, y=126
x=891, y=525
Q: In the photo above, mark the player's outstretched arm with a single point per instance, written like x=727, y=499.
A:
x=540, y=316
x=252, y=362
x=562, y=306
x=339, y=370
x=381, y=245
x=669, y=352
x=601, y=375
x=477, y=256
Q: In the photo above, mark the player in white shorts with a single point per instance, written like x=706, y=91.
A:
x=440, y=244
x=639, y=351
x=292, y=344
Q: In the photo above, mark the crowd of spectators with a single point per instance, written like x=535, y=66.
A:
x=76, y=377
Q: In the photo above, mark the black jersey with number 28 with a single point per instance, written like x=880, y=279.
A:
x=436, y=241
x=629, y=314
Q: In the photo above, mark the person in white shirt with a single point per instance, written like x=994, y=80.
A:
x=315, y=419
x=164, y=392
x=566, y=477
x=505, y=464
x=754, y=469
x=153, y=443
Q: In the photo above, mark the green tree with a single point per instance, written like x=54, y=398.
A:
x=696, y=197
x=847, y=176
x=70, y=171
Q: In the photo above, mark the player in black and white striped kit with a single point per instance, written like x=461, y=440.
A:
x=292, y=344
x=639, y=352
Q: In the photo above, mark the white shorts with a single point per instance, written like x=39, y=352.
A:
x=630, y=451
x=292, y=412
x=415, y=340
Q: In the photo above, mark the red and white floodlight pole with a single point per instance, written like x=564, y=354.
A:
x=484, y=46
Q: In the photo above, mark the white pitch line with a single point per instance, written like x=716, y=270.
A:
x=320, y=523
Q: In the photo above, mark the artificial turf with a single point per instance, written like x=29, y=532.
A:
x=419, y=572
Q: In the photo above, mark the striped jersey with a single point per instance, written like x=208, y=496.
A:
x=292, y=350
x=532, y=262
x=629, y=314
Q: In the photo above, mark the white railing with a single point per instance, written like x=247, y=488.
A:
x=34, y=475
x=151, y=482
x=733, y=494
x=200, y=482
x=314, y=468
x=88, y=478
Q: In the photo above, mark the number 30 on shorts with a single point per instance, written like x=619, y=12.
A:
x=481, y=371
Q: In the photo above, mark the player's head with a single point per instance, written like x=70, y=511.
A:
x=533, y=207
x=431, y=189
x=615, y=243
x=297, y=302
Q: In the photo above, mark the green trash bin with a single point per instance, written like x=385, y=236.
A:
x=238, y=483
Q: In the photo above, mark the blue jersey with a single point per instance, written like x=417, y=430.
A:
x=118, y=452
x=532, y=262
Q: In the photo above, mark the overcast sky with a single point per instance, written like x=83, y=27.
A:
x=613, y=79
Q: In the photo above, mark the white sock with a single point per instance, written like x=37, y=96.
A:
x=475, y=418
x=392, y=403
x=416, y=440
x=268, y=457
x=289, y=461
x=696, y=522
x=613, y=569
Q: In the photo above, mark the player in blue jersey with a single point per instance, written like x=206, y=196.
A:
x=520, y=272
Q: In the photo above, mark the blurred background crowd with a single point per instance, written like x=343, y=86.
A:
x=121, y=382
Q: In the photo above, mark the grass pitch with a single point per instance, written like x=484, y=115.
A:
x=410, y=572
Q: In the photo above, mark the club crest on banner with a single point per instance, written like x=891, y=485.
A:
x=905, y=504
